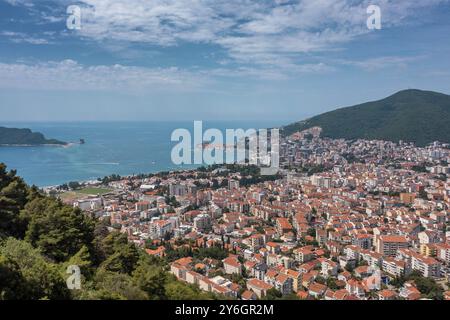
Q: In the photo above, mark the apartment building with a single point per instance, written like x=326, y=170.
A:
x=159, y=228
x=388, y=245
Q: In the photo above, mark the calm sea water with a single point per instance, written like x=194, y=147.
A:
x=111, y=148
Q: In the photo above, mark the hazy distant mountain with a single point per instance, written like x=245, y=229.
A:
x=410, y=115
x=13, y=136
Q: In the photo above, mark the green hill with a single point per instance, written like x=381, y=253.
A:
x=13, y=136
x=410, y=115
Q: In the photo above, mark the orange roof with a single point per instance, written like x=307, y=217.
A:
x=362, y=269
x=184, y=261
x=304, y=250
x=272, y=244
x=271, y=273
x=161, y=223
x=234, y=287
x=341, y=294
x=393, y=238
x=200, y=266
x=447, y=295
x=387, y=293
x=317, y=287
x=157, y=251
x=256, y=283
x=232, y=261
x=284, y=223
x=282, y=278
x=302, y=294
x=248, y=295
x=292, y=273
x=319, y=252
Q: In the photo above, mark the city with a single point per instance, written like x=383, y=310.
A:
x=342, y=220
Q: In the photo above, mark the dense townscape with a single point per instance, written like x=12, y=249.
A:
x=343, y=220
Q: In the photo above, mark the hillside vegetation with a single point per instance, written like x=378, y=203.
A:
x=40, y=237
x=411, y=115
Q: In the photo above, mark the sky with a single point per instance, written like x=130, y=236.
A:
x=214, y=59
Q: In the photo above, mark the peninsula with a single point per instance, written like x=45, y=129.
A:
x=25, y=137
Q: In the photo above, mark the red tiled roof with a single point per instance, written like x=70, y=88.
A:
x=317, y=288
x=256, y=283
x=393, y=238
x=248, y=295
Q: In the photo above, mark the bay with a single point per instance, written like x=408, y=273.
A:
x=122, y=148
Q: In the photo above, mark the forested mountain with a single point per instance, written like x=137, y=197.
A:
x=410, y=115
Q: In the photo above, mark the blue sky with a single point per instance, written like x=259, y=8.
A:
x=214, y=59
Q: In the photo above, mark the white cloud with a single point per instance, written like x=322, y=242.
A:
x=253, y=33
x=381, y=62
x=19, y=37
x=27, y=3
x=279, y=71
x=70, y=75
x=247, y=29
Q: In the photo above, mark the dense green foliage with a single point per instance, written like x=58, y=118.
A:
x=411, y=115
x=13, y=197
x=40, y=238
x=428, y=287
x=214, y=252
x=274, y=294
x=28, y=274
x=57, y=230
x=13, y=136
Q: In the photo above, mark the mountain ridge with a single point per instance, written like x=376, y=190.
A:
x=411, y=115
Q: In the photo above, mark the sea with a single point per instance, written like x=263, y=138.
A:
x=124, y=148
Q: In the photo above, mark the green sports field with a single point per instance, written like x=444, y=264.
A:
x=94, y=191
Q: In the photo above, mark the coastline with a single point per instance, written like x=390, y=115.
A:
x=122, y=176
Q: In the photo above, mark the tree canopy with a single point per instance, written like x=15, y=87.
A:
x=40, y=237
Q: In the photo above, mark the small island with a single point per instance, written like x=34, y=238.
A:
x=25, y=137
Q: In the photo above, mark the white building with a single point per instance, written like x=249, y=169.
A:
x=159, y=228
x=89, y=204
